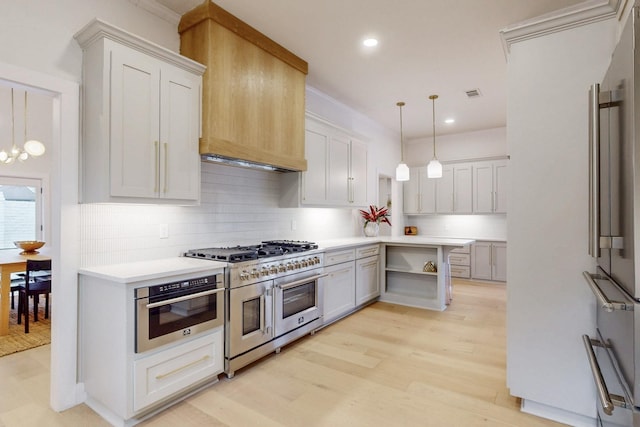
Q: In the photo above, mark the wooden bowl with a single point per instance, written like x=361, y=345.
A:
x=28, y=246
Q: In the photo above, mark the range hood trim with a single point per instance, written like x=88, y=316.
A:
x=215, y=158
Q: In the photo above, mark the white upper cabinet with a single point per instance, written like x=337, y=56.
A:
x=419, y=192
x=336, y=172
x=490, y=187
x=141, y=120
x=454, y=189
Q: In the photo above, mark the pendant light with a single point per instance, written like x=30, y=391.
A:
x=434, y=168
x=402, y=171
x=32, y=147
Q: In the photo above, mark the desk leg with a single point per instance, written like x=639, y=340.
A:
x=5, y=286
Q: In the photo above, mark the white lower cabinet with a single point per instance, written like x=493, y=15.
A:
x=367, y=279
x=353, y=280
x=340, y=284
x=164, y=374
x=460, y=262
x=489, y=261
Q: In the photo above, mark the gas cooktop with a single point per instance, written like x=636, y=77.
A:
x=266, y=249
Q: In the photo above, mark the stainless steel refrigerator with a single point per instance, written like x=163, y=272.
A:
x=614, y=237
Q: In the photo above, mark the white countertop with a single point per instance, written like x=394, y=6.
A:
x=154, y=269
x=413, y=240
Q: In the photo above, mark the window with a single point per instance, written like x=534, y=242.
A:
x=20, y=210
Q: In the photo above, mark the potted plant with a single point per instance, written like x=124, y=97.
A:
x=372, y=219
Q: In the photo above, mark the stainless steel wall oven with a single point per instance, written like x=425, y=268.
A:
x=168, y=312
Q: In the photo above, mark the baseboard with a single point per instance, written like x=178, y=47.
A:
x=556, y=414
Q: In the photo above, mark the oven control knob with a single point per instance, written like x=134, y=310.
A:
x=273, y=269
x=297, y=265
x=304, y=263
x=244, y=275
x=282, y=268
x=289, y=266
x=255, y=273
x=264, y=271
x=316, y=260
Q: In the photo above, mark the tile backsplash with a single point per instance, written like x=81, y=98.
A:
x=238, y=206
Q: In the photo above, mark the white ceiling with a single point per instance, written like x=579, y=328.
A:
x=443, y=47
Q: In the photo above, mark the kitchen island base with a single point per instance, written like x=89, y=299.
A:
x=409, y=278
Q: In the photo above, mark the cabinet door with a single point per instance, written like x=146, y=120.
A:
x=500, y=187
x=419, y=193
x=358, y=173
x=483, y=197
x=367, y=279
x=339, y=290
x=411, y=192
x=314, y=179
x=179, y=151
x=462, y=189
x=338, y=178
x=481, y=267
x=134, y=126
x=499, y=261
x=444, y=190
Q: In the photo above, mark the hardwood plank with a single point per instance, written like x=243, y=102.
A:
x=384, y=365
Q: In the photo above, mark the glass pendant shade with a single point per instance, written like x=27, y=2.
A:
x=402, y=172
x=34, y=148
x=434, y=169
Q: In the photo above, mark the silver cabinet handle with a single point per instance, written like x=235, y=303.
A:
x=603, y=393
x=166, y=166
x=606, y=304
x=594, y=170
x=184, y=298
x=182, y=368
x=157, y=173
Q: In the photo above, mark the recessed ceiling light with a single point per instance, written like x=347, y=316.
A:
x=370, y=42
x=449, y=121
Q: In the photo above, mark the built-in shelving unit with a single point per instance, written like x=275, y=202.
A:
x=406, y=282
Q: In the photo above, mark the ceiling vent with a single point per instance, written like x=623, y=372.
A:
x=473, y=93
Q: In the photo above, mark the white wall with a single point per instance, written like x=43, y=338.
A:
x=459, y=146
x=549, y=305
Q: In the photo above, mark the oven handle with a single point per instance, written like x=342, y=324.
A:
x=184, y=298
x=608, y=401
x=301, y=281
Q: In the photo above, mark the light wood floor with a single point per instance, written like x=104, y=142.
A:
x=386, y=365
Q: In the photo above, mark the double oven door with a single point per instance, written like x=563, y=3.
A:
x=261, y=312
x=298, y=300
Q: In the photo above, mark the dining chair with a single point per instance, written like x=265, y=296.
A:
x=37, y=281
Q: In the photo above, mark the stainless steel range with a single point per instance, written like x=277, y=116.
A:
x=274, y=296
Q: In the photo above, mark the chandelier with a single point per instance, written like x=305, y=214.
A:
x=32, y=147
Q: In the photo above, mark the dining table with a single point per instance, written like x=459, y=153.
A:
x=12, y=261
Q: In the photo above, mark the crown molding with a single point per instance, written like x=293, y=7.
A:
x=570, y=17
x=159, y=10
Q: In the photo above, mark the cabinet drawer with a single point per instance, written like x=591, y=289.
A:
x=462, y=271
x=459, y=259
x=174, y=370
x=462, y=250
x=337, y=257
x=366, y=251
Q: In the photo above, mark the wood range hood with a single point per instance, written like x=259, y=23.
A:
x=253, y=92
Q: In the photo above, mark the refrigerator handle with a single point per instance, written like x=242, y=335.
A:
x=594, y=171
x=605, y=303
x=607, y=400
